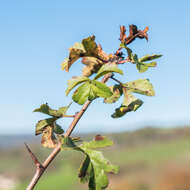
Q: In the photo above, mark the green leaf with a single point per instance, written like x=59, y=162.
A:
x=100, y=89
x=91, y=90
x=40, y=126
x=48, y=138
x=142, y=67
x=62, y=110
x=44, y=108
x=130, y=103
x=149, y=57
x=117, y=93
x=96, y=171
x=94, y=167
x=57, y=129
x=74, y=82
x=83, y=93
x=140, y=86
x=98, y=143
x=84, y=170
x=108, y=68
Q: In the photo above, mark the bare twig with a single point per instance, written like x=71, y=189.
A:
x=40, y=170
x=34, y=158
x=117, y=80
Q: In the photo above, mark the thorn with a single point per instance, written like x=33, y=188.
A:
x=35, y=160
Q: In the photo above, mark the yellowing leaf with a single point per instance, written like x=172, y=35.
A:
x=48, y=138
x=130, y=103
x=140, y=86
x=75, y=52
x=142, y=67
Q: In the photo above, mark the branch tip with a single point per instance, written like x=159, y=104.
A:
x=34, y=158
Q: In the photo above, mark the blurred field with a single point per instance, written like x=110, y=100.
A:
x=149, y=159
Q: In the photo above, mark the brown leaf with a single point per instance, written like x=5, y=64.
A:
x=48, y=138
x=101, y=54
x=132, y=30
x=133, y=34
x=94, y=50
x=92, y=65
x=122, y=34
x=143, y=34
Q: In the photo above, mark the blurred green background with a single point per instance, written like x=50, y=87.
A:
x=149, y=158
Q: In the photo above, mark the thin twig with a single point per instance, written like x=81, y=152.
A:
x=34, y=158
x=68, y=116
x=117, y=80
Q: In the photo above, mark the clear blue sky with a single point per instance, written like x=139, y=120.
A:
x=34, y=40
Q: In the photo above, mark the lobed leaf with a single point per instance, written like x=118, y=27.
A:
x=74, y=82
x=101, y=89
x=83, y=93
x=95, y=166
x=44, y=108
x=140, y=86
x=91, y=90
x=108, y=68
x=98, y=166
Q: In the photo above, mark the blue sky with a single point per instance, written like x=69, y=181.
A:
x=34, y=40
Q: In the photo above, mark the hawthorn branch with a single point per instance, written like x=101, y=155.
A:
x=42, y=167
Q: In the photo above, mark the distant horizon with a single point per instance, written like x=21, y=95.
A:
x=132, y=129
